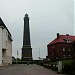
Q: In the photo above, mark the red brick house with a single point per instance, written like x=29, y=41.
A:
x=61, y=47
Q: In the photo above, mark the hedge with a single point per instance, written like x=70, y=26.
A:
x=22, y=62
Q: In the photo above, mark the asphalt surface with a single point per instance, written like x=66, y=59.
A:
x=22, y=69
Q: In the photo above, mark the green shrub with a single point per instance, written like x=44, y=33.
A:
x=22, y=62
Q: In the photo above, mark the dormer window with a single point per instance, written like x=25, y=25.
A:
x=67, y=40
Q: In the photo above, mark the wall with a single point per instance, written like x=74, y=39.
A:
x=9, y=51
x=6, y=48
x=5, y=39
x=67, y=46
x=53, y=51
x=56, y=51
x=0, y=46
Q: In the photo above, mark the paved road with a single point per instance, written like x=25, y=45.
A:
x=23, y=69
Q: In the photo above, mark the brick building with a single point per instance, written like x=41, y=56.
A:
x=61, y=47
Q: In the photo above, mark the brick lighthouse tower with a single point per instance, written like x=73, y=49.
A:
x=26, y=49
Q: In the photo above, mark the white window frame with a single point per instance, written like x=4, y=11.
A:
x=63, y=48
x=69, y=49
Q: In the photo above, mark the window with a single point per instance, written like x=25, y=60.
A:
x=69, y=41
x=69, y=55
x=68, y=49
x=64, y=56
x=63, y=48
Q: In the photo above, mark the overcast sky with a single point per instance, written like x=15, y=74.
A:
x=47, y=18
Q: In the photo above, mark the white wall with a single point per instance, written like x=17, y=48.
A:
x=7, y=46
x=9, y=51
x=0, y=46
x=5, y=37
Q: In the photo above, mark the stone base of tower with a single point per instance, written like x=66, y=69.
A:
x=27, y=59
x=27, y=54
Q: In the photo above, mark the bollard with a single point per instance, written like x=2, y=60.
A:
x=59, y=66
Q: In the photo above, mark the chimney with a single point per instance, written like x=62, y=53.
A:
x=67, y=34
x=58, y=35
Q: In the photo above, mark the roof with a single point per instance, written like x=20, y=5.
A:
x=63, y=39
x=4, y=26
